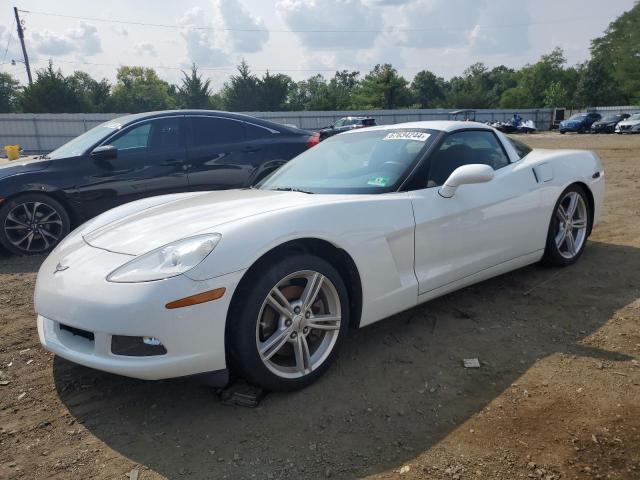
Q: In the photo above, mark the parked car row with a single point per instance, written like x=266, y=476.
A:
x=594, y=122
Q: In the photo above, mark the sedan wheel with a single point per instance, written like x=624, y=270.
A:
x=569, y=228
x=32, y=224
x=298, y=324
x=287, y=321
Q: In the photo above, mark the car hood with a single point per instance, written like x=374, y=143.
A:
x=141, y=226
x=27, y=165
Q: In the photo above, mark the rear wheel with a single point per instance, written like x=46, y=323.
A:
x=32, y=223
x=569, y=227
x=286, y=328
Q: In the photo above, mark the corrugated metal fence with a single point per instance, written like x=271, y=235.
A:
x=40, y=133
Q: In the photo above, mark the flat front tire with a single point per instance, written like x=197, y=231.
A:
x=287, y=322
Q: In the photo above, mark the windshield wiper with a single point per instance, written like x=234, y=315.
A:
x=290, y=189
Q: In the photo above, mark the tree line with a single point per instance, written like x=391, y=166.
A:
x=611, y=76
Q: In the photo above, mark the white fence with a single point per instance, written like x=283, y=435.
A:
x=40, y=133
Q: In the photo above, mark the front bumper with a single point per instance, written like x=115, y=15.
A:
x=571, y=128
x=81, y=298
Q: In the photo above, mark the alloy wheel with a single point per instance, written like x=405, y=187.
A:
x=572, y=225
x=298, y=324
x=33, y=227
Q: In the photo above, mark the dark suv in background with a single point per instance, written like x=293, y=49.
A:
x=134, y=157
x=345, y=124
x=608, y=123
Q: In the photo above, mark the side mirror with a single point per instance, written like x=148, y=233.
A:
x=105, y=152
x=473, y=173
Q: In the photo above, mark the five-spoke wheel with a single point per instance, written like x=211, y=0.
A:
x=32, y=224
x=286, y=331
x=569, y=227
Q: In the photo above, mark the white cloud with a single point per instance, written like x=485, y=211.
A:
x=14, y=51
x=352, y=23
x=482, y=26
x=83, y=39
x=235, y=15
x=145, y=48
x=120, y=30
x=203, y=48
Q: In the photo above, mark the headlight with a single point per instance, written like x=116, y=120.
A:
x=167, y=261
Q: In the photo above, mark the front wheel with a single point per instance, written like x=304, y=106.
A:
x=569, y=227
x=32, y=224
x=285, y=328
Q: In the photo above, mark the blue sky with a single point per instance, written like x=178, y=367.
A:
x=301, y=37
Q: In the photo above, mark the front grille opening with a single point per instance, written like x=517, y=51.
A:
x=78, y=332
x=134, y=347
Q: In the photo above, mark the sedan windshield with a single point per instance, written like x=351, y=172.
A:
x=635, y=117
x=361, y=162
x=578, y=116
x=82, y=143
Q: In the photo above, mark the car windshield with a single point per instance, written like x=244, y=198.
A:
x=82, y=143
x=634, y=117
x=611, y=118
x=363, y=162
x=578, y=116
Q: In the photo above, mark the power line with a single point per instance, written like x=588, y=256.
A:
x=255, y=29
x=6, y=50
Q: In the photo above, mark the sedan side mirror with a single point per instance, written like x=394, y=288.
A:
x=473, y=173
x=105, y=152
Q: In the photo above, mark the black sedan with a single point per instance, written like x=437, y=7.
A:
x=133, y=157
x=345, y=124
x=608, y=123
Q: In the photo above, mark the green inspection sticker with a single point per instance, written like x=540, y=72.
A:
x=378, y=181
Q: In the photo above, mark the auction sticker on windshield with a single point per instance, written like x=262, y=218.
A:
x=404, y=135
x=378, y=181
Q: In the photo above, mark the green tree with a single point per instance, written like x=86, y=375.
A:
x=341, y=88
x=9, y=91
x=139, y=89
x=555, y=95
x=194, y=91
x=241, y=92
x=428, y=89
x=516, y=97
x=383, y=88
x=273, y=91
x=472, y=89
x=597, y=85
x=538, y=77
x=52, y=92
x=618, y=51
x=95, y=95
x=311, y=94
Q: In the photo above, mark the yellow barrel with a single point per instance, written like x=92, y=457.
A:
x=13, y=151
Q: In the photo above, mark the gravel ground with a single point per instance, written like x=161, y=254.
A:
x=557, y=395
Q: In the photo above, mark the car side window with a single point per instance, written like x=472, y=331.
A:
x=465, y=148
x=207, y=131
x=255, y=132
x=136, y=138
x=163, y=134
x=339, y=123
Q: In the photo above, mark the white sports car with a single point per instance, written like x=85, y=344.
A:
x=264, y=282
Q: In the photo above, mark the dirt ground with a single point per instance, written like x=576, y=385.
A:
x=557, y=395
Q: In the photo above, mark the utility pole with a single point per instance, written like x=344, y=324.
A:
x=24, y=48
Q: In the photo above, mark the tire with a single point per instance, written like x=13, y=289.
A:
x=565, y=250
x=32, y=224
x=562, y=132
x=581, y=130
x=257, y=321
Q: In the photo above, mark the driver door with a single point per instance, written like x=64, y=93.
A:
x=150, y=161
x=483, y=224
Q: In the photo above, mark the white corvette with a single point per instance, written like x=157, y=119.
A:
x=265, y=282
